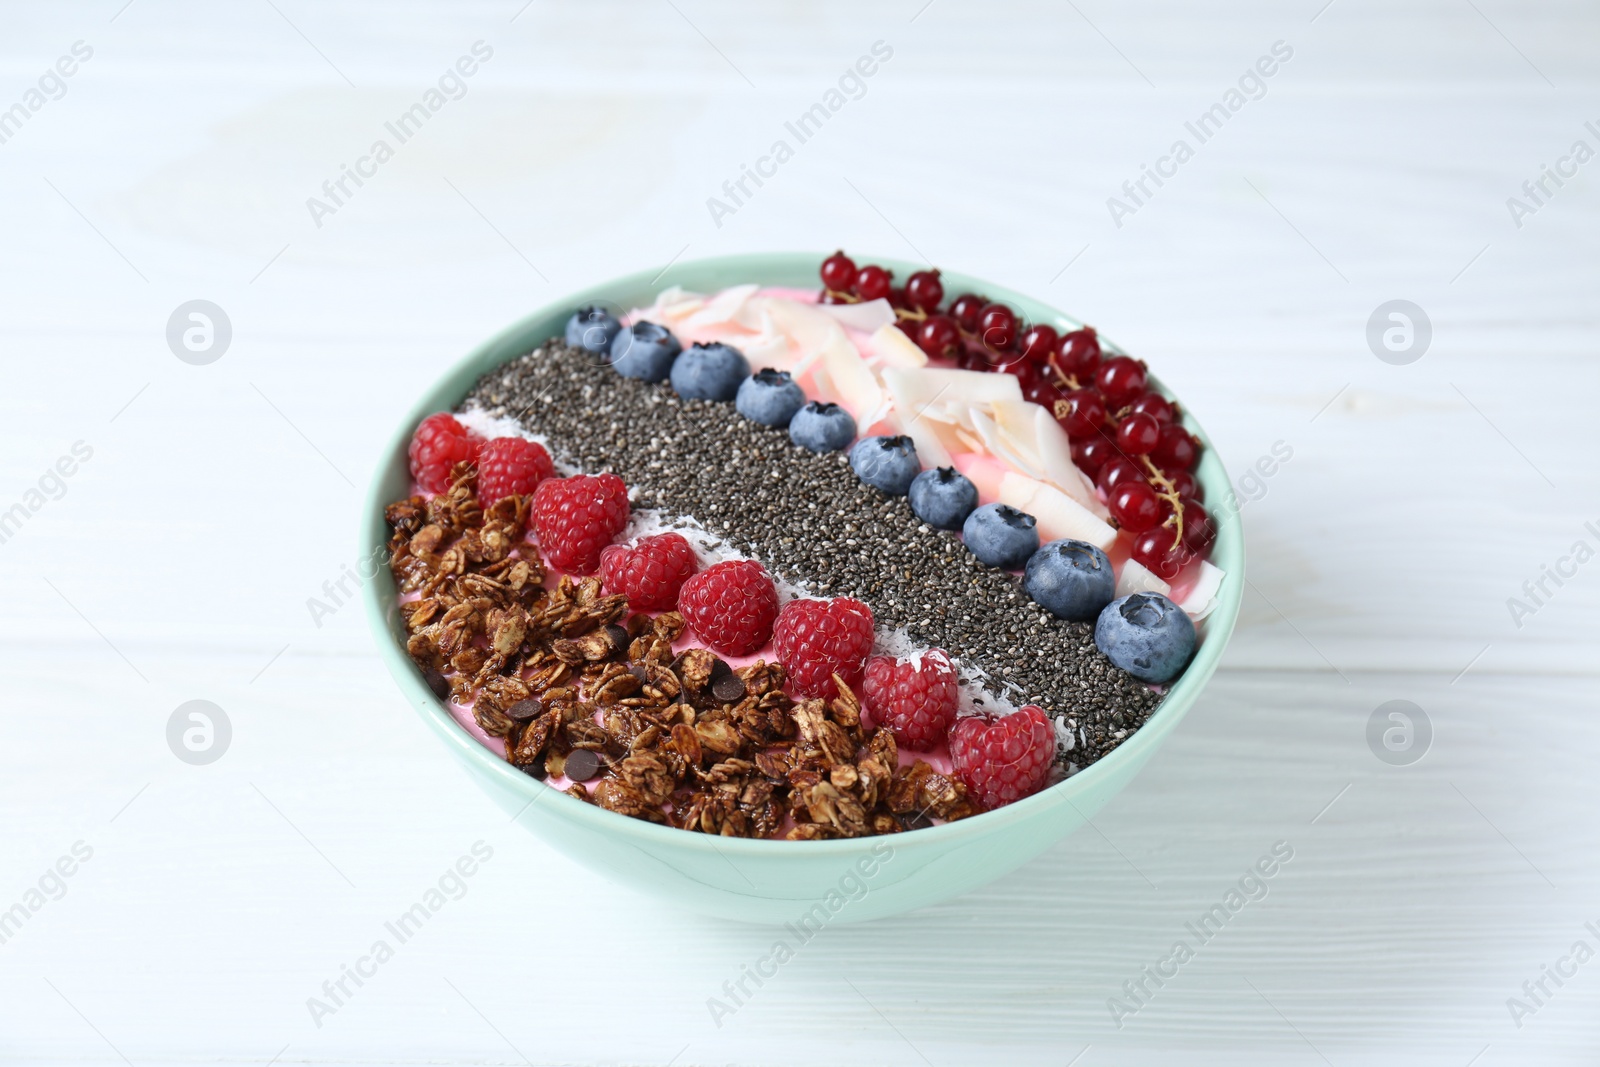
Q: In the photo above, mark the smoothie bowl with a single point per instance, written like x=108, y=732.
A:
x=783, y=590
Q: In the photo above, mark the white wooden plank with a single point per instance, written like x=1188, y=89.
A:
x=1418, y=500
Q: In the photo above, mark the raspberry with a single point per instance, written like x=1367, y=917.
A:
x=1003, y=761
x=511, y=466
x=731, y=606
x=650, y=573
x=577, y=517
x=914, y=698
x=438, y=445
x=817, y=639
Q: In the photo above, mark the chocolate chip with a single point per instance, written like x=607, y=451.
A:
x=523, y=710
x=725, y=685
x=638, y=671
x=619, y=637
x=532, y=770
x=916, y=820
x=582, y=765
x=437, y=682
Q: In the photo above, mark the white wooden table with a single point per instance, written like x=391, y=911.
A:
x=177, y=563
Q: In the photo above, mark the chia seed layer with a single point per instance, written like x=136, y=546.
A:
x=810, y=521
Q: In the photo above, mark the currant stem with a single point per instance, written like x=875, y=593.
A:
x=1166, y=491
x=1066, y=381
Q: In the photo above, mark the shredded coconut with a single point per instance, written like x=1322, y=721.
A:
x=972, y=681
x=709, y=548
x=488, y=426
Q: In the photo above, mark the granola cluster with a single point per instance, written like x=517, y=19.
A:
x=578, y=686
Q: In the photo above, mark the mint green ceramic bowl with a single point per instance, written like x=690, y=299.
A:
x=778, y=881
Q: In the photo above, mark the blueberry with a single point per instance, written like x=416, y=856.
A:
x=709, y=371
x=1146, y=635
x=1070, y=579
x=770, y=397
x=1001, y=536
x=644, y=350
x=886, y=463
x=943, y=498
x=822, y=427
x=592, y=329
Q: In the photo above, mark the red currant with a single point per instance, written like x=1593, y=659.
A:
x=1043, y=390
x=1138, y=434
x=939, y=336
x=1187, y=485
x=1135, y=506
x=1092, y=453
x=1027, y=374
x=1079, y=353
x=1038, y=343
x=998, y=328
x=873, y=283
x=1198, y=530
x=1086, y=413
x=1155, y=550
x=1008, y=360
x=1176, y=451
x=1116, y=471
x=1120, y=379
x=924, y=290
x=838, y=272
x=966, y=310
x=1154, y=404
x=897, y=299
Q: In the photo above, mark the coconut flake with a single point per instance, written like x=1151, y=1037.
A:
x=867, y=316
x=1202, y=599
x=488, y=426
x=972, y=682
x=722, y=308
x=1066, y=737
x=1137, y=578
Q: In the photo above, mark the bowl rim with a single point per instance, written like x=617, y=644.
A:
x=498, y=349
